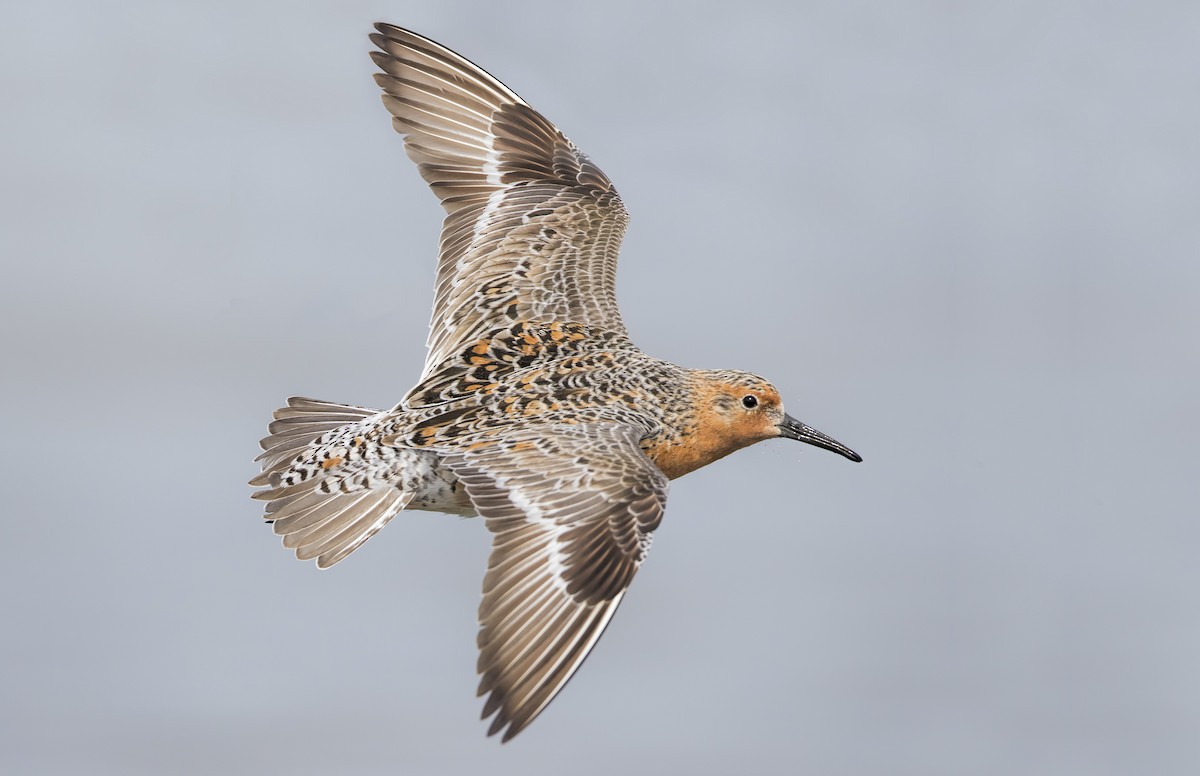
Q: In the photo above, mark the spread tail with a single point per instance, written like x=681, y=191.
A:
x=331, y=482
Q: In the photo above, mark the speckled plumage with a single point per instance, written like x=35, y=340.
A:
x=534, y=409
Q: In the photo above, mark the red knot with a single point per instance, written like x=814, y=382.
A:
x=534, y=410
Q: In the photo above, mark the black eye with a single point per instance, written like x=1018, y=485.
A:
x=749, y=401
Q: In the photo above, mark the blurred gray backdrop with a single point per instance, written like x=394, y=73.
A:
x=961, y=237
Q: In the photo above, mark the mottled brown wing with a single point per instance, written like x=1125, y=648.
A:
x=571, y=508
x=533, y=227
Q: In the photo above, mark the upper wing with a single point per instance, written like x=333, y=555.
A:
x=571, y=509
x=533, y=227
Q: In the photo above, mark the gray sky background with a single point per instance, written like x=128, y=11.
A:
x=961, y=237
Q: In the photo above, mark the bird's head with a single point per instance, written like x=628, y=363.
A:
x=740, y=408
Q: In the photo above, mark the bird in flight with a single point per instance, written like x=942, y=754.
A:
x=535, y=410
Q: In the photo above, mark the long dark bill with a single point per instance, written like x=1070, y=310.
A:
x=794, y=429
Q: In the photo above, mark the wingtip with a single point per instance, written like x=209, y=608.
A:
x=393, y=32
x=501, y=721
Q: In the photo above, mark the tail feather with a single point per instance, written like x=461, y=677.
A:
x=340, y=536
x=323, y=499
x=298, y=425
